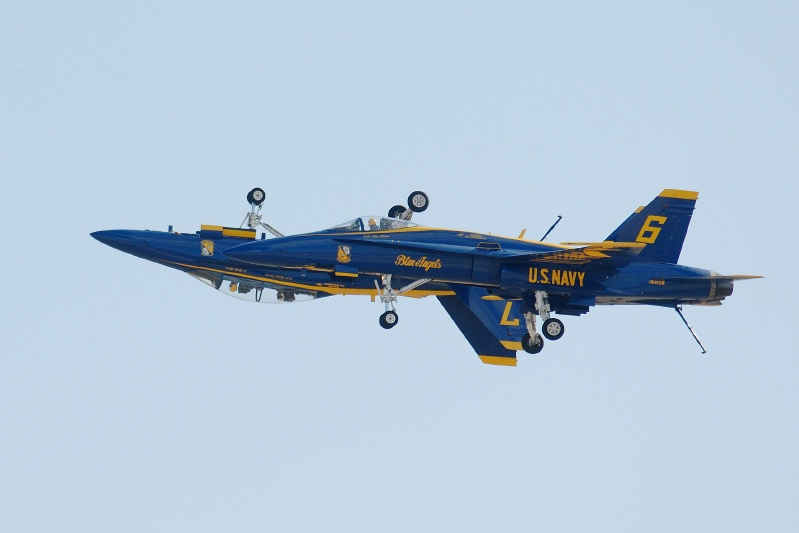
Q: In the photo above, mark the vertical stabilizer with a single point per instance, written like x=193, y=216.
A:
x=661, y=225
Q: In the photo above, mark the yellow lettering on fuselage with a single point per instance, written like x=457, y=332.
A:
x=422, y=262
x=554, y=276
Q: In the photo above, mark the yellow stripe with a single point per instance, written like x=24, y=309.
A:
x=231, y=232
x=492, y=298
x=511, y=345
x=318, y=288
x=500, y=361
x=608, y=245
x=347, y=274
x=677, y=193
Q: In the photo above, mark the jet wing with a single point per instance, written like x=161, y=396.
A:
x=492, y=326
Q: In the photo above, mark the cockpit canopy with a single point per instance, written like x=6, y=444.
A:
x=374, y=223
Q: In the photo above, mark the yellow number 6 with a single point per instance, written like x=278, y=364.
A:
x=649, y=233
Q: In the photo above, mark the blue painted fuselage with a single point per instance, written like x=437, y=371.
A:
x=505, y=266
x=492, y=287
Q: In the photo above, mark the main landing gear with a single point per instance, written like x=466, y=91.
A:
x=389, y=295
x=552, y=329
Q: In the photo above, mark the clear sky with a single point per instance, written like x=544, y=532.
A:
x=133, y=398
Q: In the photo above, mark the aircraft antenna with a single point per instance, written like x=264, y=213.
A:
x=551, y=228
x=678, y=308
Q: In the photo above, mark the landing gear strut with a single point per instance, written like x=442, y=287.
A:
x=256, y=199
x=389, y=295
x=553, y=328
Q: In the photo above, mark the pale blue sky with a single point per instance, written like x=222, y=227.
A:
x=133, y=398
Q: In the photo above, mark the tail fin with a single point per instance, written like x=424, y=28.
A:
x=661, y=225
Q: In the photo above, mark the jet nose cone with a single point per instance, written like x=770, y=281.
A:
x=106, y=237
x=128, y=241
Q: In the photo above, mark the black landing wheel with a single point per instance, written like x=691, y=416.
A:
x=531, y=345
x=418, y=201
x=389, y=319
x=396, y=211
x=553, y=329
x=256, y=196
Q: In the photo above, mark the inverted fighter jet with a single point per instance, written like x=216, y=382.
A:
x=492, y=287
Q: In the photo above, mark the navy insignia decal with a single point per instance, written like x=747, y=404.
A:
x=207, y=247
x=343, y=255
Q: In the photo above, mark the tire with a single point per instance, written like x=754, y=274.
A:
x=389, y=319
x=553, y=329
x=396, y=211
x=418, y=201
x=531, y=347
x=256, y=196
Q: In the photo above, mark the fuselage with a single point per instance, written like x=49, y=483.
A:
x=349, y=261
x=491, y=287
x=506, y=266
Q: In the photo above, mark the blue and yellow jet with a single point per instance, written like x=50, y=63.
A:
x=492, y=287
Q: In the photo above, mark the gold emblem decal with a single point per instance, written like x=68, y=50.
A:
x=422, y=262
x=207, y=247
x=343, y=255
